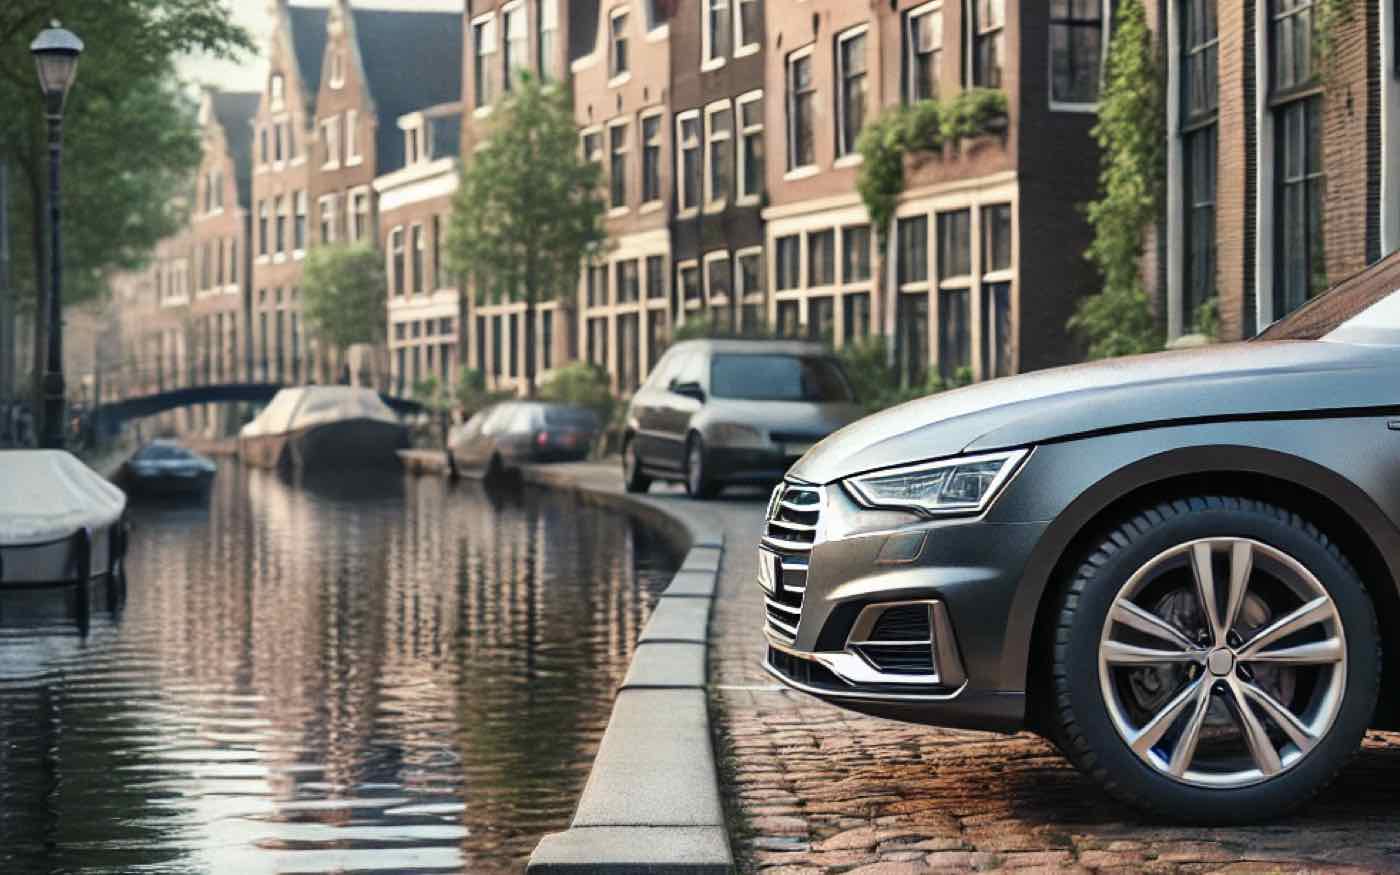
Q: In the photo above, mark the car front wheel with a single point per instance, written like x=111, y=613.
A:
x=633, y=478
x=1215, y=660
x=698, y=483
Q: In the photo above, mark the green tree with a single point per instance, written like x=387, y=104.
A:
x=1118, y=320
x=529, y=208
x=131, y=139
x=343, y=295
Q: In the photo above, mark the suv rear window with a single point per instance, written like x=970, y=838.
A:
x=568, y=417
x=778, y=378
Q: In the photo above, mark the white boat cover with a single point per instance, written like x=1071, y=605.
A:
x=295, y=409
x=47, y=495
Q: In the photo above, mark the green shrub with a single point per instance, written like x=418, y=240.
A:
x=878, y=384
x=582, y=384
x=472, y=396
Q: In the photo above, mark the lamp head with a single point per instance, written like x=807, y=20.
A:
x=56, y=54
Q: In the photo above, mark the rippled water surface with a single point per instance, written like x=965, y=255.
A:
x=373, y=675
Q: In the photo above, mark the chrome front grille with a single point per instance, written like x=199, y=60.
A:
x=790, y=530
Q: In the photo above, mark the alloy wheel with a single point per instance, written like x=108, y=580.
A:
x=1222, y=662
x=695, y=467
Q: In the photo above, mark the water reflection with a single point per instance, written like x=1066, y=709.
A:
x=374, y=674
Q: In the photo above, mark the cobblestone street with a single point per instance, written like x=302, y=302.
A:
x=817, y=789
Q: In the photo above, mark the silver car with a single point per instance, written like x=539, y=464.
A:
x=721, y=412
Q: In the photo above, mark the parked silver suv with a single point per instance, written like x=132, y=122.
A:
x=720, y=412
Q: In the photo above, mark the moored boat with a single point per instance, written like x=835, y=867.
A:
x=60, y=521
x=324, y=428
x=163, y=467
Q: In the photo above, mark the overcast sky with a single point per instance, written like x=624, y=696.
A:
x=248, y=73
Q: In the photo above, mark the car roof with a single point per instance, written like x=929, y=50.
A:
x=754, y=347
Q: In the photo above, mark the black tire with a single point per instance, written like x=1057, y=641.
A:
x=495, y=469
x=698, y=483
x=633, y=480
x=1080, y=721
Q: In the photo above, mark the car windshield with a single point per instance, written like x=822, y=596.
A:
x=1360, y=312
x=160, y=452
x=778, y=378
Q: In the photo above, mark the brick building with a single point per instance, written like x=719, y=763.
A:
x=220, y=221
x=502, y=40
x=621, y=81
x=283, y=147
x=1282, y=167
x=974, y=219
x=717, y=97
x=415, y=202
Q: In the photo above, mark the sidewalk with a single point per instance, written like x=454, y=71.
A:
x=814, y=789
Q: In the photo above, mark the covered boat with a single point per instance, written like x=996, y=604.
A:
x=60, y=521
x=323, y=427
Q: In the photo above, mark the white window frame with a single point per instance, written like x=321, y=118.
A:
x=509, y=64
x=741, y=180
x=352, y=138
x=688, y=305
x=660, y=117
x=681, y=191
x=795, y=170
x=396, y=246
x=583, y=135
x=626, y=205
x=549, y=23
x=325, y=211
x=747, y=295
x=337, y=77
x=417, y=243
x=617, y=76
x=1106, y=29
x=707, y=36
x=351, y=197
x=277, y=92
x=843, y=155
x=330, y=141
x=705, y=275
x=713, y=202
x=742, y=44
x=301, y=205
x=484, y=59
x=907, y=44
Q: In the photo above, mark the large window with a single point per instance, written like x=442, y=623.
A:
x=1200, y=102
x=789, y=262
x=716, y=30
x=263, y=215
x=418, y=249
x=719, y=283
x=1076, y=50
x=629, y=287
x=954, y=294
x=987, y=26
x=548, y=11
x=855, y=245
x=911, y=339
x=651, y=159
x=352, y=136
x=299, y=225
x=359, y=215
x=923, y=52
x=853, y=86
x=719, y=123
x=439, y=269
x=1299, y=263
x=517, y=42
x=326, y=205
x=396, y=262
x=330, y=142
x=688, y=158
x=802, y=97
x=617, y=165
x=750, y=146
x=656, y=277
x=821, y=258
x=484, y=44
x=747, y=23
x=618, y=62
x=997, y=341
x=911, y=260
x=280, y=211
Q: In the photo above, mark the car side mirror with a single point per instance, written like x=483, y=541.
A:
x=689, y=390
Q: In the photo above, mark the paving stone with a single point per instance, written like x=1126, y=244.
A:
x=666, y=665
x=611, y=850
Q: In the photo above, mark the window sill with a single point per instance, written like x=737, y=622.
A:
x=298, y=161
x=334, y=165
x=688, y=213
x=745, y=50
x=620, y=79
x=354, y=161
x=618, y=212
x=659, y=33
x=651, y=207
x=854, y=159
x=1078, y=108
x=261, y=259
x=279, y=258
x=748, y=200
x=712, y=64
x=298, y=254
x=482, y=111
x=805, y=172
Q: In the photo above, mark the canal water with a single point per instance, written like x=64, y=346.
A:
x=376, y=674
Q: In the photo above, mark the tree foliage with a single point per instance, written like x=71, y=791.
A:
x=343, y=294
x=529, y=208
x=131, y=139
x=1118, y=320
x=582, y=384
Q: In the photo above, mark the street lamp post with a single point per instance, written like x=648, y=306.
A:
x=56, y=54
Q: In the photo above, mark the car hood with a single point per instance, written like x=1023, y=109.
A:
x=1244, y=379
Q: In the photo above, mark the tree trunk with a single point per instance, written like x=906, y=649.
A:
x=530, y=343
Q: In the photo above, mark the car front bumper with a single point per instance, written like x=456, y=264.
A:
x=895, y=615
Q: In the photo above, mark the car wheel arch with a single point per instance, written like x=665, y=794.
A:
x=1340, y=509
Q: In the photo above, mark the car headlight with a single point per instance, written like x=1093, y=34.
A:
x=734, y=433
x=965, y=485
